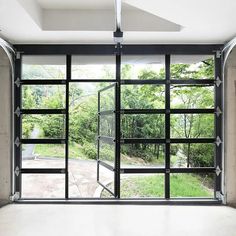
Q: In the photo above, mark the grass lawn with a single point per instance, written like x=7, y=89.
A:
x=58, y=150
x=182, y=185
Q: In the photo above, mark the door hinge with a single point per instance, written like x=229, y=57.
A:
x=17, y=111
x=17, y=82
x=218, y=111
x=17, y=171
x=218, y=171
x=218, y=141
x=17, y=142
x=218, y=81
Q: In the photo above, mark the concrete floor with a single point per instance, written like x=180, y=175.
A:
x=120, y=220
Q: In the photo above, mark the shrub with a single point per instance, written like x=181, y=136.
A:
x=90, y=150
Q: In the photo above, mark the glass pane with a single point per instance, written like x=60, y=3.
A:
x=43, y=186
x=190, y=97
x=192, y=126
x=106, y=177
x=107, y=125
x=143, y=126
x=192, y=185
x=192, y=67
x=107, y=153
x=43, y=126
x=142, y=186
x=107, y=99
x=143, y=96
x=93, y=67
x=142, y=155
x=43, y=67
x=192, y=155
x=43, y=156
x=143, y=67
x=43, y=96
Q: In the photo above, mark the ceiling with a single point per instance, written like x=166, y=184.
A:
x=93, y=21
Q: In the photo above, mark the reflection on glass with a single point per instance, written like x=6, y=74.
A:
x=143, y=96
x=93, y=67
x=107, y=153
x=143, y=67
x=192, y=67
x=43, y=67
x=107, y=99
x=192, y=155
x=192, y=126
x=142, y=186
x=107, y=125
x=43, y=186
x=142, y=155
x=143, y=126
x=192, y=185
x=192, y=97
x=43, y=126
x=43, y=96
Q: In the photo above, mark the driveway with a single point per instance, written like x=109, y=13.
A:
x=82, y=179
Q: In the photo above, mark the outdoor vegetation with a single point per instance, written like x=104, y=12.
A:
x=83, y=119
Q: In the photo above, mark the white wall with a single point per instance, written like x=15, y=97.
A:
x=5, y=129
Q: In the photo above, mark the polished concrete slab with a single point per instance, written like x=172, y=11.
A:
x=117, y=220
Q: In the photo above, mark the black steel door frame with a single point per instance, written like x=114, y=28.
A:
x=118, y=51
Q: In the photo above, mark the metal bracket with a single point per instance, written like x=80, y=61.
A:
x=17, y=111
x=17, y=142
x=17, y=82
x=17, y=55
x=218, y=141
x=218, y=171
x=219, y=195
x=218, y=111
x=218, y=81
x=15, y=197
x=17, y=171
x=218, y=53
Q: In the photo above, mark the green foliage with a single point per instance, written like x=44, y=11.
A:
x=89, y=150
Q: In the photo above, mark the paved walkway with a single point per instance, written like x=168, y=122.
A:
x=82, y=179
x=29, y=148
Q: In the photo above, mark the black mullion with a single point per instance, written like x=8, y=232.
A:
x=98, y=135
x=137, y=81
x=218, y=121
x=68, y=78
x=192, y=81
x=17, y=124
x=43, y=171
x=43, y=82
x=117, y=131
x=167, y=127
x=92, y=80
x=164, y=111
x=43, y=111
x=43, y=141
